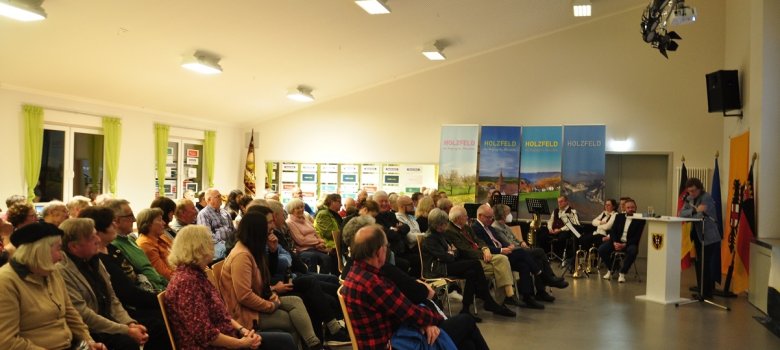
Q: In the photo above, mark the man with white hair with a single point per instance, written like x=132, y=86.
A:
x=218, y=221
x=55, y=213
x=471, y=247
x=521, y=260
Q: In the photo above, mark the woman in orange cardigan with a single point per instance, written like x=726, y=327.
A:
x=245, y=284
x=153, y=242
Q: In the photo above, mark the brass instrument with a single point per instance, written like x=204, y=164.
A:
x=536, y=222
x=579, y=263
x=592, y=260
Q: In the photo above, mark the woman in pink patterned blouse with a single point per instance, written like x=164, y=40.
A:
x=309, y=245
x=197, y=315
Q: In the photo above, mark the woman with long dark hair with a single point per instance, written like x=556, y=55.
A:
x=245, y=283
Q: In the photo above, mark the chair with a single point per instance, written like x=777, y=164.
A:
x=347, y=319
x=217, y=268
x=621, y=256
x=161, y=300
x=441, y=282
x=338, y=242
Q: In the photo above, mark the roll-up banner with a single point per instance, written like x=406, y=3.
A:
x=458, y=162
x=540, y=164
x=583, y=168
x=499, y=161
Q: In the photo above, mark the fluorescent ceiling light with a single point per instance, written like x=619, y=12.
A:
x=373, y=7
x=202, y=63
x=300, y=94
x=23, y=10
x=433, y=51
x=581, y=8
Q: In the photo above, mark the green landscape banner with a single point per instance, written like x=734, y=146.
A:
x=458, y=162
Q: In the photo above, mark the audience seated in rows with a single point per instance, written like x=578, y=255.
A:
x=37, y=311
x=168, y=207
x=327, y=220
x=185, y=214
x=198, y=317
x=378, y=308
x=220, y=223
x=245, y=283
x=308, y=244
x=441, y=259
x=153, y=241
x=127, y=245
x=91, y=292
x=423, y=207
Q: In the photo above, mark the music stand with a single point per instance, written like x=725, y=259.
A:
x=536, y=207
x=510, y=201
x=471, y=209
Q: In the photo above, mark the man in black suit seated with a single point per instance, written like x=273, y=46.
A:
x=520, y=260
x=624, y=236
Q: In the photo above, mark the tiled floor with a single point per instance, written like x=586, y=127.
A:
x=596, y=314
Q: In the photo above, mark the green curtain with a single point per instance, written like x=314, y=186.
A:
x=208, y=156
x=112, y=139
x=161, y=154
x=33, y=147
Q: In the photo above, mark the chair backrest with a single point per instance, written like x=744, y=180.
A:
x=517, y=232
x=347, y=319
x=161, y=300
x=420, y=239
x=337, y=241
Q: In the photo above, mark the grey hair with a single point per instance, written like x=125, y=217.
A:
x=52, y=207
x=456, y=212
x=293, y=204
x=352, y=227
x=437, y=217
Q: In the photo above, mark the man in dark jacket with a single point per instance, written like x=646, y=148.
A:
x=396, y=235
x=624, y=236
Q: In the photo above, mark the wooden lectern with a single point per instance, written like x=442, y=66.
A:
x=663, y=259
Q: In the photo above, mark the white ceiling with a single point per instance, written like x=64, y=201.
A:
x=129, y=52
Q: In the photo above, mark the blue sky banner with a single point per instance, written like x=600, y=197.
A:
x=458, y=162
x=499, y=161
x=583, y=168
x=540, y=162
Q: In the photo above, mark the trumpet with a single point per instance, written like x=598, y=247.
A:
x=593, y=260
x=579, y=263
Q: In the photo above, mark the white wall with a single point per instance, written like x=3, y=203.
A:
x=600, y=72
x=752, y=45
x=135, y=180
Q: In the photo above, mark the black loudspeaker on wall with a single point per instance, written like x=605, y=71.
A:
x=723, y=92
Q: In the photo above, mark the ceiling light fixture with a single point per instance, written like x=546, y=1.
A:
x=23, y=10
x=202, y=63
x=301, y=94
x=581, y=8
x=433, y=51
x=373, y=7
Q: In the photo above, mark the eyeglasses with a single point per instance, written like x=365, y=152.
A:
x=128, y=216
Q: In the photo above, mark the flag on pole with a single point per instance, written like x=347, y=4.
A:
x=716, y=197
x=688, y=250
x=747, y=221
x=249, y=169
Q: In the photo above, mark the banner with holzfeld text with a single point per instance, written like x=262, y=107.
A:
x=583, y=168
x=458, y=162
x=540, y=162
x=499, y=161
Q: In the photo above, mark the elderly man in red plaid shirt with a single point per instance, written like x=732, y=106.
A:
x=377, y=306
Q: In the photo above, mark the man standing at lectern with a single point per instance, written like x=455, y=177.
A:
x=705, y=234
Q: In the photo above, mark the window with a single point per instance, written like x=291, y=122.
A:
x=71, y=163
x=184, y=167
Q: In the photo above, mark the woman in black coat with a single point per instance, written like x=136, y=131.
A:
x=440, y=260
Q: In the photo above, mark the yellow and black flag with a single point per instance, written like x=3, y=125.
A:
x=249, y=169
